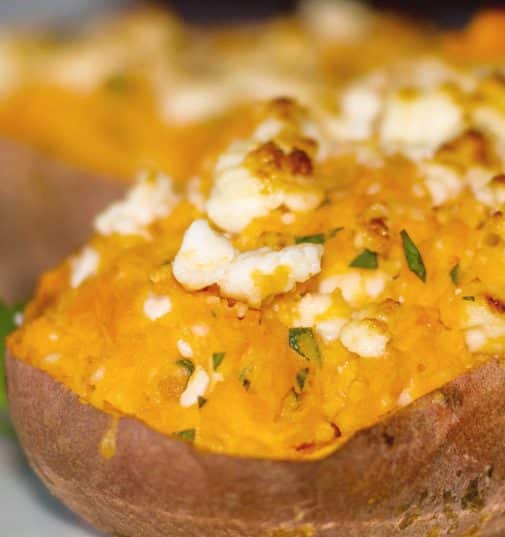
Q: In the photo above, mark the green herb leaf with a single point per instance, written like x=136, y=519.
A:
x=469, y=298
x=318, y=238
x=301, y=377
x=334, y=231
x=7, y=325
x=201, y=401
x=188, y=365
x=366, y=259
x=188, y=435
x=217, y=358
x=117, y=83
x=455, y=274
x=303, y=341
x=413, y=256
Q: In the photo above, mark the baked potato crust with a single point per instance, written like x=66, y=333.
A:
x=46, y=212
x=435, y=468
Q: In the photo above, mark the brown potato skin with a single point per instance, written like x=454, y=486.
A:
x=46, y=212
x=437, y=466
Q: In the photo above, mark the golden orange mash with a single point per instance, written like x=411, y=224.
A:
x=189, y=308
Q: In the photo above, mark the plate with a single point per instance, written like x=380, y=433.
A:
x=26, y=508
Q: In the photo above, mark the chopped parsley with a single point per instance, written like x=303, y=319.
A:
x=318, y=238
x=366, y=260
x=188, y=435
x=470, y=298
x=303, y=341
x=455, y=274
x=413, y=256
x=217, y=358
x=334, y=231
x=186, y=364
x=301, y=377
x=201, y=401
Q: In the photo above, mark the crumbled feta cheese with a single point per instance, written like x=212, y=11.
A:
x=405, y=398
x=343, y=21
x=486, y=189
x=257, y=274
x=355, y=286
x=492, y=121
x=418, y=125
x=150, y=199
x=367, y=338
x=203, y=257
x=188, y=102
x=18, y=318
x=184, y=348
x=196, y=387
x=288, y=218
x=443, y=182
x=360, y=107
x=200, y=330
x=311, y=307
x=194, y=193
x=485, y=328
x=330, y=329
x=97, y=376
x=83, y=266
x=268, y=129
x=52, y=358
x=237, y=197
x=157, y=306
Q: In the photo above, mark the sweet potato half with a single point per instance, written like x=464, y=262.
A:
x=435, y=468
x=46, y=212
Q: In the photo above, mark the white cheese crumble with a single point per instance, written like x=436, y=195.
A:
x=486, y=190
x=83, y=266
x=194, y=193
x=207, y=258
x=255, y=275
x=184, y=348
x=366, y=338
x=405, y=397
x=330, y=329
x=355, y=286
x=150, y=199
x=196, y=387
x=200, y=330
x=156, y=306
x=485, y=328
x=418, y=125
x=443, y=182
x=203, y=256
x=52, y=358
x=97, y=376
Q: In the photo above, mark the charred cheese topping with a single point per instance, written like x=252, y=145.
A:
x=327, y=266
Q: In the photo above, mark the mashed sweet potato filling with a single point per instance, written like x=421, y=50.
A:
x=346, y=261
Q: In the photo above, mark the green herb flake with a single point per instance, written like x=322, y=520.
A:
x=334, y=231
x=413, y=256
x=303, y=341
x=455, y=274
x=470, y=298
x=188, y=435
x=118, y=83
x=301, y=377
x=201, y=401
x=366, y=260
x=188, y=365
x=217, y=358
x=318, y=238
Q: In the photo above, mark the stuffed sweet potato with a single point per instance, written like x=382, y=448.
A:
x=305, y=342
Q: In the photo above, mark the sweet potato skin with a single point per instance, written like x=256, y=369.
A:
x=46, y=212
x=438, y=466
